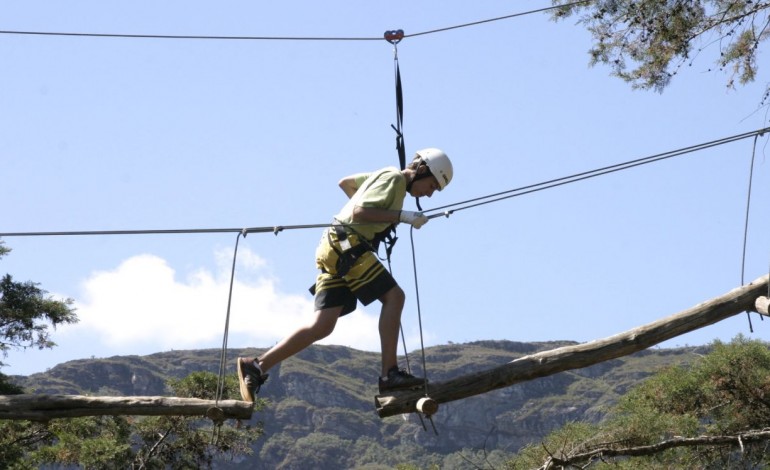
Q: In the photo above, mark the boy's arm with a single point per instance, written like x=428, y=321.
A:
x=350, y=184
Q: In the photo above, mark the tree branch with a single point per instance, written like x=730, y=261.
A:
x=737, y=440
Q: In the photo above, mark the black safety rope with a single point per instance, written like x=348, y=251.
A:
x=394, y=37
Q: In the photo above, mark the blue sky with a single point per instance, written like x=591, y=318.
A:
x=134, y=134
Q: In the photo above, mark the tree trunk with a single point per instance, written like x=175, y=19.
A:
x=45, y=407
x=547, y=363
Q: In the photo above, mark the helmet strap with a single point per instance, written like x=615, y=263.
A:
x=418, y=176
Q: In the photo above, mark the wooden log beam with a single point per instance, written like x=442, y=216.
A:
x=44, y=407
x=546, y=363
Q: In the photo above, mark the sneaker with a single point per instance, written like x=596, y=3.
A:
x=399, y=379
x=251, y=379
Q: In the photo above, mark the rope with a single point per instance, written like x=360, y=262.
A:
x=419, y=312
x=223, y=356
x=479, y=201
x=746, y=226
x=467, y=204
x=284, y=38
x=394, y=37
x=276, y=229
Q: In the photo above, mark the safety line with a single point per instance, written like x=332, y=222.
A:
x=514, y=15
x=746, y=227
x=467, y=204
x=496, y=197
x=748, y=207
x=283, y=38
x=223, y=355
x=274, y=229
x=419, y=311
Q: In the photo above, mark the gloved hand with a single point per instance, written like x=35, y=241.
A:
x=415, y=219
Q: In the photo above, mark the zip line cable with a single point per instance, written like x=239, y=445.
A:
x=467, y=204
x=283, y=38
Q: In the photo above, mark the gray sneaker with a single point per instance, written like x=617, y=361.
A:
x=250, y=377
x=400, y=379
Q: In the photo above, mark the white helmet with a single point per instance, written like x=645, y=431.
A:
x=439, y=165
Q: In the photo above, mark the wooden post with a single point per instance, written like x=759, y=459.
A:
x=45, y=407
x=761, y=305
x=551, y=362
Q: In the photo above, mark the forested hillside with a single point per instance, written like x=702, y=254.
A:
x=321, y=403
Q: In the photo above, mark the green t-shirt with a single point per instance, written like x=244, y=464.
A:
x=384, y=189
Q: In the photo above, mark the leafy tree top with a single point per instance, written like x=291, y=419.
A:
x=27, y=312
x=646, y=42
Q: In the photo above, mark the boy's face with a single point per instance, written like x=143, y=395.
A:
x=424, y=187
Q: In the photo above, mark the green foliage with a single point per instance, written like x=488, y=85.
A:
x=721, y=396
x=204, y=385
x=26, y=313
x=93, y=443
x=562, y=442
x=183, y=442
x=16, y=438
x=646, y=42
x=8, y=388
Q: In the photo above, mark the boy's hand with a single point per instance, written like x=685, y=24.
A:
x=415, y=219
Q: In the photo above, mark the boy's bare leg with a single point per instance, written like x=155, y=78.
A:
x=390, y=323
x=320, y=328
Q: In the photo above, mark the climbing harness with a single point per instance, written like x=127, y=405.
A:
x=348, y=254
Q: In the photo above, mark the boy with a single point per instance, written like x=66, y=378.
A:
x=351, y=271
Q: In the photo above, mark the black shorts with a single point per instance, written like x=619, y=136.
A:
x=367, y=280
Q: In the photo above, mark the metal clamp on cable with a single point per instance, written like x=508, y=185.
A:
x=394, y=36
x=440, y=214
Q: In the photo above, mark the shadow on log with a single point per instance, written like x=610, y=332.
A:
x=45, y=407
x=551, y=362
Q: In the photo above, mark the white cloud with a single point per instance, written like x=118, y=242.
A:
x=143, y=303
